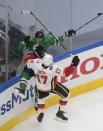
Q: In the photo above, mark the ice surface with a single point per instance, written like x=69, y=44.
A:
x=85, y=113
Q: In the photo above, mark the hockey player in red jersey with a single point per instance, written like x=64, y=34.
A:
x=47, y=81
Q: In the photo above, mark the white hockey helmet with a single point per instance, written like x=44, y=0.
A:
x=47, y=59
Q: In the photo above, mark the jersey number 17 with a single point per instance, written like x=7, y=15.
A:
x=42, y=78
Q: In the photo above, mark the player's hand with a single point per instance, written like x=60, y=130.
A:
x=20, y=92
x=70, y=33
x=75, y=61
x=27, y=39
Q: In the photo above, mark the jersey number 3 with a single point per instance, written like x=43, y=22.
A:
x=42, y=78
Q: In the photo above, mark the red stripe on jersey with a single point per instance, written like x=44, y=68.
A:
x=30, y=56
x=63, y=102
x=54, y=82
x=69, y=70
x=41, y=106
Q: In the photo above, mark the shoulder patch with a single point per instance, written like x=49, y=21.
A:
x=31, y=61
x=58, y=70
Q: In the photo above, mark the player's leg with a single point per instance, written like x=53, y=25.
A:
x=64, y=92
x=25, y=76
x=41, y=104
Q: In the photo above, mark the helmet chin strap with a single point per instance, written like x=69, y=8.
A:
x=45, y=67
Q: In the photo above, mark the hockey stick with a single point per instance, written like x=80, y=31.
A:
x=98, y=15
x=29, y=12
x=36, y=98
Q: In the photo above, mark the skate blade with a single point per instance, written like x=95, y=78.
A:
x=61, y=120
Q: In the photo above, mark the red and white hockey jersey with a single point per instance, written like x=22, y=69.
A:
x=46, y=78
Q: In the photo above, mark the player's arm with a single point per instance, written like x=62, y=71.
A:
x=25, y=43
x=70, y=69
x=66, y=35
x=21, y=46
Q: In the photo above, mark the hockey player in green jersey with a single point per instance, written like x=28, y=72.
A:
x=27, y=45
x=43, y=40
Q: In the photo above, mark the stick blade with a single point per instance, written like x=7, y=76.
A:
x=25, y=12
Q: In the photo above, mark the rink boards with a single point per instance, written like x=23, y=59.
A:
x=88, y=76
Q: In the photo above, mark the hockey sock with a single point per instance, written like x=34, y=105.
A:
x=63, y=103
x=41, y=105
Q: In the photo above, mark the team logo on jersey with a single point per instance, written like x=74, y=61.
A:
x=58, y=70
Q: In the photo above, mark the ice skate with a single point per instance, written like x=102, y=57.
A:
x=40, y=117
x=20, y=92
x=60, y=116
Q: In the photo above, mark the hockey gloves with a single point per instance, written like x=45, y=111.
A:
x=27, y=39
x=75, y=61
x=70, y=33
